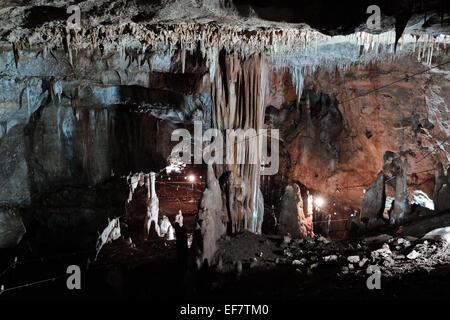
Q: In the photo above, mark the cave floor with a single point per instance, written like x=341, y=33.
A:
x=273, y=269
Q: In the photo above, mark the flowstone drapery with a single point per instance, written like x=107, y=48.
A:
x=238, y=88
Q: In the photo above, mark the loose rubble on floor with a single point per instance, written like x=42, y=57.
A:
x=394, y=256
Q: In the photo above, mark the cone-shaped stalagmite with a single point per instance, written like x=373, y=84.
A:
x=401, y=205
x=294, y=218
x=373, y=201
x=211, y=221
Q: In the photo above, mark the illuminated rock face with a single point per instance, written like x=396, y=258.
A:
x=294, y=216
x=212, y=221
x=343, y=164
x=239, y=90
x=401, y=204
x=374, y=199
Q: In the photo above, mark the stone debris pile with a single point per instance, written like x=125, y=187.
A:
x=392, y=256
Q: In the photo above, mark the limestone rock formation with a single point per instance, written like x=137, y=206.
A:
x=441, y=195
x=259, y=214
x=179, y=218
x=234, y=193
x=233, y=79
x=294, y=218
x=401, y=205
x=153, y=204
x=166, y=229
x=442, y=234
x=110, y=233
x=373, y=203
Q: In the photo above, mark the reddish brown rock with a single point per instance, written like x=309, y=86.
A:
x=441, y=196
x=374, y=199
x=342, y=133
x=294, y=218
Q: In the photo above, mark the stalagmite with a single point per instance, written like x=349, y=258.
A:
x=110, y=233
x=211, y=221
x=401, y=205
x=441, y=194
x=166, y=229
x=309, y=204
x=259, y=214
x=171, y=233
x=153, y=204
x=179, y=218
x=374, y=199
x=132, y=182
x=233, y=195
x=293, y=219
x=239, y=104
x=388, y=206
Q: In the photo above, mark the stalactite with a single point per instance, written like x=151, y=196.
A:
x=68, y=46
x=183, y=58
x=16, y=54
x=57, y=90
x=282, y=43
x=238, y=88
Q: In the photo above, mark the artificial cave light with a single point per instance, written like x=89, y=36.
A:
x=319, y=201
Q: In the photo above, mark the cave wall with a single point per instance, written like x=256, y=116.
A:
x=335, y=143
x=69, y=122
x=69, y=133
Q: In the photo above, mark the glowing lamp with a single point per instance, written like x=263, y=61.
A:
x=319, y=202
